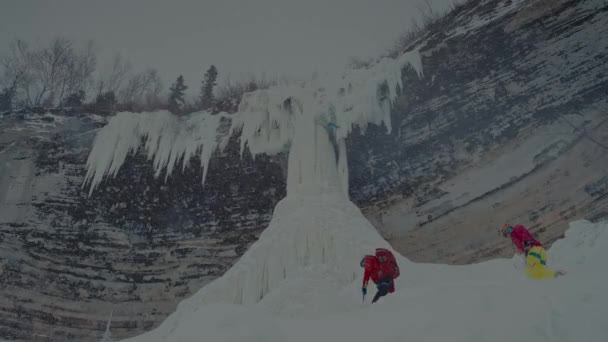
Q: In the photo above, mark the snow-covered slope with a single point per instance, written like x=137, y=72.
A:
x=303, y=282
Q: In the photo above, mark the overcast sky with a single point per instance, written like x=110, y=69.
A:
x=276, y=37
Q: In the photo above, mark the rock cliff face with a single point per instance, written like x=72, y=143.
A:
x=137, y=246
x=508, y=124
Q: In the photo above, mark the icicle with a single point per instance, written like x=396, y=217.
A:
x=167, y=141
x=343, y=168
x=107, y=335
x=268, y=121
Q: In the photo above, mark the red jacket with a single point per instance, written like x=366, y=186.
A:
x=377, y=271
x=520, y=235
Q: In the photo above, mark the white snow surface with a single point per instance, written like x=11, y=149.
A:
x=301, y=282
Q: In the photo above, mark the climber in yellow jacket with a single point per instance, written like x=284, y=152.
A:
x=536, y=256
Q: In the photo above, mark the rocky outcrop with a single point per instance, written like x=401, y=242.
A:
x=136, y=247
x=508, y=124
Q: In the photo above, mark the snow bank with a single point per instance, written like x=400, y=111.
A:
x=304, y=285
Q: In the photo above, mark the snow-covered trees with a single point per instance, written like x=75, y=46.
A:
x=209, y=82
x=47, y=75
x=105, y=102
x=142, y=91
x=176, y=96
x=63, y=73
x=75, y=99
x=114, y=77
x=7, y=96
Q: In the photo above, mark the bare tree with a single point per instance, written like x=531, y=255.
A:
x=142, y=91
x=153, y=94
x=119, y=71
x=235, y=90
x=88, y=65
x=78, y=72
x=48, y=74
x=132, y=91
x=428, y=17
x=359, y=63
x=49, y=66
x=17, y=67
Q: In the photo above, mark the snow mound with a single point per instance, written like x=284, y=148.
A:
x=311, y=250
x=301, y=282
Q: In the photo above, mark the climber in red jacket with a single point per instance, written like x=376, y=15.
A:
x=536, y=256
x=382, y=269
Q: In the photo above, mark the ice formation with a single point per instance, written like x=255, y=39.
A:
x=315, y=239
x=301, y=280
x=285, y=118
x=166, y=140
x=292, y=118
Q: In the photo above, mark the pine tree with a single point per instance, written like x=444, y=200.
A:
x=7, y=95
x=106, y=102
x=75, y=99
x=176, y=96
x=209, y=82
